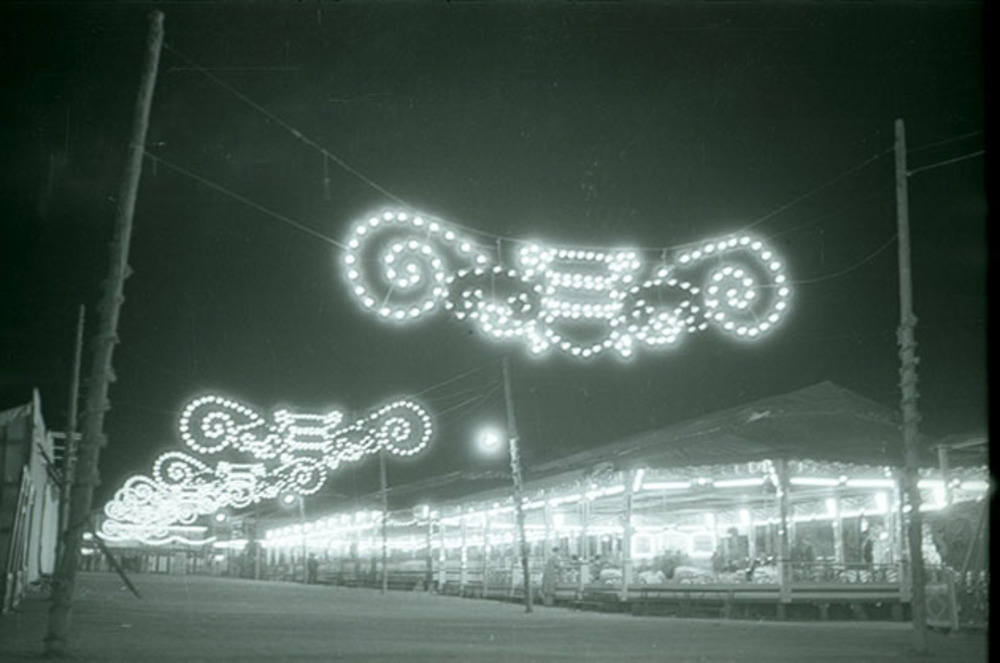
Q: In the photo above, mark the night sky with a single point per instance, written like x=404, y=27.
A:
x=643, y=125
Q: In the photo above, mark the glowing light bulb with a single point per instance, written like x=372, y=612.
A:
x=575, y=288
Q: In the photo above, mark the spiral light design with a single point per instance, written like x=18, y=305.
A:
x=555, y=298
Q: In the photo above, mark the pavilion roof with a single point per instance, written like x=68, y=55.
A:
x=822, y=422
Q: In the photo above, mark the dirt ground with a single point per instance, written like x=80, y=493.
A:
x=183, y=618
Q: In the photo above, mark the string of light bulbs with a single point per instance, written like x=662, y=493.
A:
x=242, y=458
x=403, y=266
x=342, y=163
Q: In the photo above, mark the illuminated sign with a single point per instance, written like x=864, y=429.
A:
x=291, y=454
x=581, y=302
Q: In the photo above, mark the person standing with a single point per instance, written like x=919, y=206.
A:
x=313, y=569
x=550, y=577
x=868, y=549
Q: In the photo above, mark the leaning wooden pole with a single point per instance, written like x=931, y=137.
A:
x=101, y=374
x=908, y=385
x=69, y=455
x=514, y=447
x=384, y=531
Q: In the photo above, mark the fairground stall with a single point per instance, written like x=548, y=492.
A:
x=786, y=507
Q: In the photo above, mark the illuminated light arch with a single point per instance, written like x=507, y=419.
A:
x=292, y=454
x=581, y=302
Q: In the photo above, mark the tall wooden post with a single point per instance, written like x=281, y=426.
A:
x=442, y=553
x=463, y=568
x=784, y=556
x=486, y=552
x=256, y=541
x=70, y=451
x=515, y=469
x=945, y=466
x=627, y=533
x=101, y=374
x=838, y=531
x=898, y=538
x=305, y=540
x=384, y=492
x=584, y=510
x=547, y=518
x=908, y=385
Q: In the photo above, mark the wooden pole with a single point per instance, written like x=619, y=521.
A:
x=627, y=533
x=69, y=454
x=486, y=552
x=784, y=555
x=384, y=492
x=463, y=562
x=442, y=551
x=305, y=540
x=584, y=511
x=101, y=374
x=256, y=541
x=908, y=384
x=513, y=444
x=945, y=473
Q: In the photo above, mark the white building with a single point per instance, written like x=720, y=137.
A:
x=29, y=500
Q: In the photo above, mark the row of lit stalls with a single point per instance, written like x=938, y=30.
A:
x=219, y=548
x=761, y=522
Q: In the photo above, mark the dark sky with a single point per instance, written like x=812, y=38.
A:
x=603, y=124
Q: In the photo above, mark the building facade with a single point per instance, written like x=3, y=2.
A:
x=29, y=500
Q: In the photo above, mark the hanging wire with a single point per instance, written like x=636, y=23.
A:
x=821, y=187
x=455, y=378
x=499, y=239
x=482, y=233
x=445, y=398
x=826, y=215
x=871, y=256
x=927, y=146
x=329, y=156
x=938, y=164
x=288, y=127
x=476, y=404
x=243, y=199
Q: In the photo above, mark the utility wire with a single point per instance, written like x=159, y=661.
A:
x=482, y=233
x=451, y=379
x=479, y=400
x=243, y=199
x=288, y=127
x=927, y=146
x=938, y=164
x=461, y=393
x=836, y=212
x=871, y=256
x=482, y=400
x=367, y=180
x=821, y=187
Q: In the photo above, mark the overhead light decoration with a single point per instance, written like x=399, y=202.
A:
x=581, y=302
x=244, y=458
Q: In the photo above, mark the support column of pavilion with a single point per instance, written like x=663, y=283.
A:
x=784, y=558
x=584, y=545
x=463, y=565
x=628, y=530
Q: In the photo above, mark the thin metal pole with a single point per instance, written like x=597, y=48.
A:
x=69, y=457
x=305, y=542
x=628, y=531
x=514, y=446
x=87, y=475
x=784, y=561
x=430, y=551
x=256, y=541
x=908, y=384
x=383, y=489
x=945, y=473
